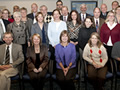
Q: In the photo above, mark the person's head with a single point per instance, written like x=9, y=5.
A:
x=59, y=4
x=103, y=8
x=8, y=37
x=16, y=8
x=17, y=16
x=115, y=4
x=64, y=37
x=94, y=40
x=88, y=22
x=39, y=17
x=56, y=14
x=83, y=8
x=96, y=12
x=64, y=11
x=34, y=8
x=36, y=39
x=23, y=11
x=74, y=16
x=5, y=14
x=111, y=17
x=43, y=9
x=118, y=10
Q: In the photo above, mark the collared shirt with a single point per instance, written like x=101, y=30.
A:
x=95, y=21
x=82, y=16
x=10, y=51
x=65, y=17
x=109, y=43
x=1, y=21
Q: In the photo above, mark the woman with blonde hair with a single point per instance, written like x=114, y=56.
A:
x=96, y=56
x=37, y=62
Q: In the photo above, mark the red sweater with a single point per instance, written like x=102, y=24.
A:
x=105, y=32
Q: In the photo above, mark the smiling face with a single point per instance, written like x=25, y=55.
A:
x=111, y=17
x=104, y=8
x=83, y=9
x=36, y=40
x=88, y=22
x=5, y=14
x=8, y=39
x=74, y=16
x=56, y=15
x=17, y=17
x=40, y=18
x=96, y=13
x=34, y=8
x=94, y=40
x=43, y=10
x=23, y=13
x=64, y=38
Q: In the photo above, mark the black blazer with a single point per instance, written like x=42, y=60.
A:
x=6, y=22
x=102, y=16
x=31, y=16
x=87, y=15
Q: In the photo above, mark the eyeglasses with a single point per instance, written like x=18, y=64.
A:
x=59, y=4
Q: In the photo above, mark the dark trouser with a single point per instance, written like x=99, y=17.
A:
x=37, y=79
x=109, y=50
x=97, y=76
x=66, y=82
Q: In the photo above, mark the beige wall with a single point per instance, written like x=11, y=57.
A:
x=49, y=3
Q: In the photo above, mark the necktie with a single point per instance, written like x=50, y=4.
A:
x=7, y=58
x=1, y=31
x=64, y=19
x=97, y=27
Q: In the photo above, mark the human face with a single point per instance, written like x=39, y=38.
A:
x=23, y=13
x=36, y=40
x=44, y=11
x=64, y=11
x=88, y=22
x=94, y=40
x=34, y=8
x=59, y=5
x=74, y=16
x=16, y=9
x=83, y=9
x=17, y=18
x=56, y=15
x=64, y=38
x=8, y=39
x=103, y=8
x=96, y=13
x=118, y=11
x=40, y=18
x=5, y=14
x=111, y=17
x=114, y=5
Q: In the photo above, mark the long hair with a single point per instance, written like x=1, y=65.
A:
x=99, y=43
x=70, y=16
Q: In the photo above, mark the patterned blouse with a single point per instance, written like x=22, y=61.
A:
x=73, y=30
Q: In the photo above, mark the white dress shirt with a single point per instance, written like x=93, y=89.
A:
x=95, y=21
x=1, y=21
x=82, y=16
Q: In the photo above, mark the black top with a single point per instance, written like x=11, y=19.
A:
x=37, y=63
x=84, y=35
x=103, y=16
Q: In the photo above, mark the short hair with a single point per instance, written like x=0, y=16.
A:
x=108, y=16
x=78, y=17
x=17, y=13
x=16, y=6
x=65, y=7
x=7, y=11
x=43, y=6
x=23, y=8
x=83, y=4
x=56, y=10
x=37, y=35
x=62, y=33
x=38, y=13
x=91, y=21
x=34, y=4
x=7, y=33
x=96, y=8
x=59, y=1
x=99, y=43
x=115, y=2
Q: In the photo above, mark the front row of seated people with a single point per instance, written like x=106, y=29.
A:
x=37, y=61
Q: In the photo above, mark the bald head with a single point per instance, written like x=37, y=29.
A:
x=103, y=8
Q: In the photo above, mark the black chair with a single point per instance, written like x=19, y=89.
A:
x=117, y=72
x=109, y=75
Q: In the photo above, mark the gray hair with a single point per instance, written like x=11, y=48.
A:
x=83, y=4
x=44, y=6
x=17, y=13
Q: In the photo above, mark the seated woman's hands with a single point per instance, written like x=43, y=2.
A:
x=66, y=70
x=37, y=70
x=96, y=65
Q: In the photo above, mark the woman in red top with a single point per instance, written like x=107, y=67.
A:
x=110, y=32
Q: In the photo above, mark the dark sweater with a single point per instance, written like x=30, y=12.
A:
x=84, y=35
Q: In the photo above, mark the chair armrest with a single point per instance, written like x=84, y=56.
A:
x=50, y=66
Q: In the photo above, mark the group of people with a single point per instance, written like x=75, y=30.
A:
x=37, y=37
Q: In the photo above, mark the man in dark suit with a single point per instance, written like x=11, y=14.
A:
x=34, y=9
x=83, y=14
x=10, y=60
x=97, y=21
x=103, y=11
x=65, y=13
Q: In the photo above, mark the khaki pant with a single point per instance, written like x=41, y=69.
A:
x=5, y=78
